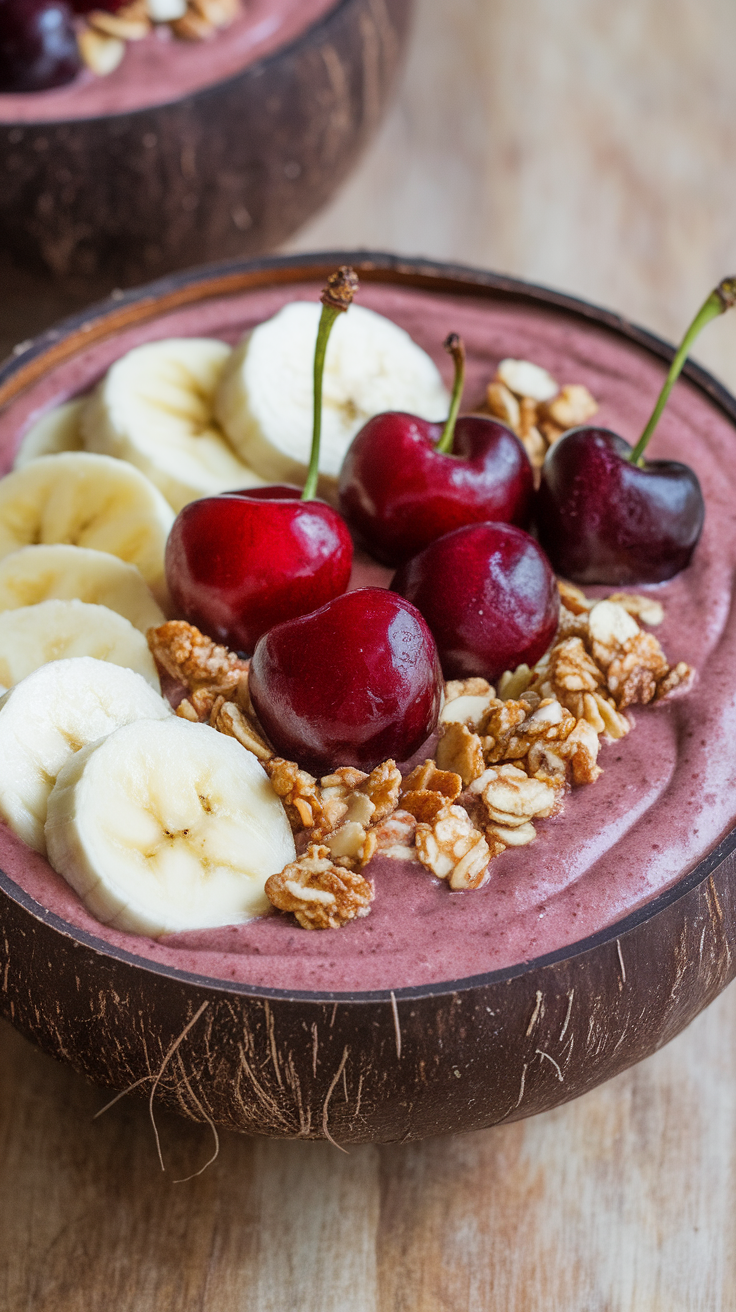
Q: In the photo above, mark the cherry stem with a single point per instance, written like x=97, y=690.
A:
x=455, y=347
x=336, y=298
x=721, y=299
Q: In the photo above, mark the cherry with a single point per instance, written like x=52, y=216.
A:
x=86, y=6
x=38, y=45
x=406, y=481
x=354, y=683
x=489, y=596
x=604, y=514
x=240, y=562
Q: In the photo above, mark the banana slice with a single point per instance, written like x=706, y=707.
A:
x=154, y=407
x=87, y=501
x=36, y=574
x=32, y=636
x=167, y=827
x=264, y=399
x=56, y=431
x=51, y=715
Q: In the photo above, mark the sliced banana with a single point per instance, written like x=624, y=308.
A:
x=32, y=636
x=87, y=501
x=48, y=717
x=167, y=827
x=264, y=400
x=56, y=431
x=36, y=574
x=154, y=407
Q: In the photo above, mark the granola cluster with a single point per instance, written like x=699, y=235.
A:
x=216, y=681
x=517, y=748
x=530, y=401
x=103, y=36
x=504, y=760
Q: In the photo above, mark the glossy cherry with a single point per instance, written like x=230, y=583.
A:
x=406, y=481
x=38, y=45
x=489, y=596
x=240, y=562
x=605, y=514
x=354, y=683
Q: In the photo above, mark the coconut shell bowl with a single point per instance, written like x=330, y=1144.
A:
x=127, y=177
x=417, y=1056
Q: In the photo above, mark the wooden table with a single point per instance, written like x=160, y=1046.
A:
x=590, y=146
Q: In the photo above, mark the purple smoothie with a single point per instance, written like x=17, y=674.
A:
x=668, y=792
x=162, y=68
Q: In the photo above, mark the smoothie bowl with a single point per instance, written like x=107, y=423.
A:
x=192, y=149
x=445, y=1008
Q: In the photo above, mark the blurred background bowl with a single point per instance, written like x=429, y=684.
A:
x=231, y=169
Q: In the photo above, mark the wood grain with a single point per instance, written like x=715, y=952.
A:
x=590, y=146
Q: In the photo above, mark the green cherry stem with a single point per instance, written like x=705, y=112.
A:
x=455, y=347
x=721, y=299
x=336, y=298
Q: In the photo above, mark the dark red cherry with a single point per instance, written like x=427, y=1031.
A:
x=38, y=45
x=406, y=481
x=354, y=683
x=604, y=513
x=86, y=6
x=602, y=519
x=238, y=563
x=489, y=596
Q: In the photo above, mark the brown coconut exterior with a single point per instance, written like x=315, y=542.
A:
x=232, y=169
x=381, y=1066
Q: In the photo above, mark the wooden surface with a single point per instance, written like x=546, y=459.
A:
x=590, y=146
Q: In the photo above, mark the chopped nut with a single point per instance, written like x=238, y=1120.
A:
x=228, y=718
x=511, y=728
x=642, y=608
x=423, y=804
x=101, y=54
x=187, y=711
x=194, y=659
x=574, y=599
x=512, y=798
x=609, y=627
x=125, y=28
x=395, y=836
x=427, y=777
x=320, y=894
x=679, y=679
x=633, y=674
x=382, y=787
x=573, y=405
x=570, y=669
x=351, y=845
x=473, y=687
x=503, y=404
x=526, y=379
x=581, y=749
x=514, y=682
x=297, y=790
x=453, y=849
x=460, y=752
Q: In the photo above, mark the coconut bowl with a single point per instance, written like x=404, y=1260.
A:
x=381, y=1065
x=231, y=168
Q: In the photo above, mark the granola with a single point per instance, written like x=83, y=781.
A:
x=532, y=403
x=453, y=849
x=320, y=894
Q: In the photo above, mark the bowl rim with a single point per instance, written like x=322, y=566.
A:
x=29, y=362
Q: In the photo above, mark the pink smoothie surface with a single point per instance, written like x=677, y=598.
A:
x=668, y=791
x=162, y=68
